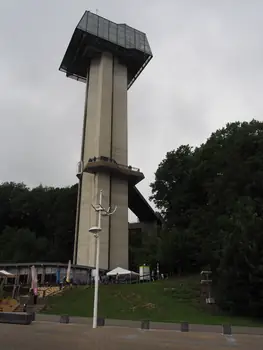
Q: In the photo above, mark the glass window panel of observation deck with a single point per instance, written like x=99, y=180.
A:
x=121, y=35
x=130, y=37
x=147, y=47
x=113, y=32
x=93, y=23
x=140, y=41
x=103, y=28
x=83, y=23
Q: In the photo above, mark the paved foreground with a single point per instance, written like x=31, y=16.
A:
x=48, y=336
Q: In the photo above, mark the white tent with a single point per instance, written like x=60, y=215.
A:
x=120, y=271
x=4, y=273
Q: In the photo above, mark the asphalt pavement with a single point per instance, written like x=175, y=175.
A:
x=45, y=335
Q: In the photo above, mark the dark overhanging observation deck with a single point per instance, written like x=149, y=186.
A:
x=94, y=35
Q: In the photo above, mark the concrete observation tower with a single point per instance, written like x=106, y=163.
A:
x=108, y=57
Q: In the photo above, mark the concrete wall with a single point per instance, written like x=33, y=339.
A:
x=105, y=134
x=119, y=239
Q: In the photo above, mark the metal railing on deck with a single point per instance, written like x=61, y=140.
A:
x=107, y=159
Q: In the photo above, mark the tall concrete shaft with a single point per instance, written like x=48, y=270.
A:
x=105, y=116
x=108, y=57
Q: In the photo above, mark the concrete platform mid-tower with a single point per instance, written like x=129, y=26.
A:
x=108, y=57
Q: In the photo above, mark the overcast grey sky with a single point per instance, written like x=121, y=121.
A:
x=207, y=70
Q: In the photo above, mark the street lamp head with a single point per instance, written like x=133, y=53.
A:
x=95, y=229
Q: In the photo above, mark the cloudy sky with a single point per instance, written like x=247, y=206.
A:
x=207, y=70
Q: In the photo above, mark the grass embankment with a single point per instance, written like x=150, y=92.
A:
x=143, y=301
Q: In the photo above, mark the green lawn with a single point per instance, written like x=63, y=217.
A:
x=143, y=301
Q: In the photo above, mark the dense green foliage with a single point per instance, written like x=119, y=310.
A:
x=212, y=200
x=37, y=224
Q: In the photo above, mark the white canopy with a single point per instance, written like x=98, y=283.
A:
x=121, y=271
x=4, y=273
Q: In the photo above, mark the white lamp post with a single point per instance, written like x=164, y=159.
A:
x=96, y=231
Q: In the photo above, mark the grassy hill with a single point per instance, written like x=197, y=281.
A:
x=154, y=301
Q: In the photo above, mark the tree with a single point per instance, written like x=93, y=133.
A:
x=36, y=224
x=170, y=191
x=213, y=196
x=144, y=248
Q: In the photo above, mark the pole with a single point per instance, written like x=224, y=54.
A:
x=100, y=204
x=96, y=288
